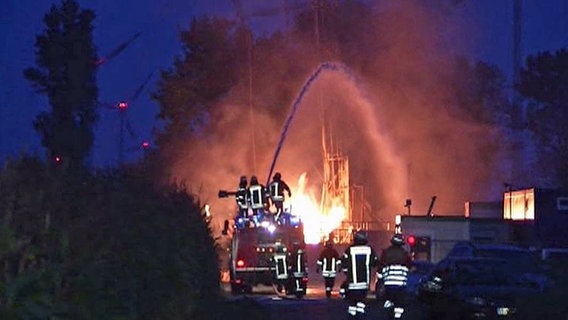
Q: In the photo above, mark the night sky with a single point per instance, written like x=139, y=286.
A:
x=545, y=26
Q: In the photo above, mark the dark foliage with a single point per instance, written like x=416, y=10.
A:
x=544, y=82
x=188, y=91
x=479, y=92
x=109, y=245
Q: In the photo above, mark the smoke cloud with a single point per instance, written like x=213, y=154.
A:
x=391, y=113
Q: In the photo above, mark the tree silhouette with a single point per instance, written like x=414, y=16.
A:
x=65, y=72
x=544, y=82
x=199, y=79
x=479, y=92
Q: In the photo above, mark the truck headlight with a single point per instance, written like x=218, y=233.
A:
x=477, y=301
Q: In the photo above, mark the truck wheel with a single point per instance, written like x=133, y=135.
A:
x=235, y=289
x=247, y=289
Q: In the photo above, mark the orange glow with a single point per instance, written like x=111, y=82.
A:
x=318, y=223
x=519, y=205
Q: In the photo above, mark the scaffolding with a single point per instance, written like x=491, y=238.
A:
x=335, y=189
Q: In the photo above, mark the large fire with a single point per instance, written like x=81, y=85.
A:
x=318, y=222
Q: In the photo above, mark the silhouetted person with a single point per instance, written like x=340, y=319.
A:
x=276, y=189
x=328, y=263
x=257, y=198
x=394, y=264
x=242, y=197
x=280, y=262
x=298, y=267
x=357, y=262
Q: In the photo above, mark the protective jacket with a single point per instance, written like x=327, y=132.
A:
x=298, y=262
x=329, y=262
x=277, y=188
x=394, y=264
x=257, y=196
x=280, y=260
x=357, y=262
x=242, y=198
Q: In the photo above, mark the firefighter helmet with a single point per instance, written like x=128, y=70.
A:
x=280, y=247
x=296, y=245
x=360, y=237
x=277, y=176
x=397, y=239
x=243, y=181
x=253, y=180
x=329, y=244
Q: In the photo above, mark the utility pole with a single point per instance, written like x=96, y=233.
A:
x=517, y=42
x=249, y=42
x=122, y=107
x=519, y=116
x=251, y=108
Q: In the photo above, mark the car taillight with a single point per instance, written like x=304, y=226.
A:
x=411, y=240
x=240, y=263
x=305, y=279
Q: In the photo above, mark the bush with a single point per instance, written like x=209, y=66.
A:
x=106, y=245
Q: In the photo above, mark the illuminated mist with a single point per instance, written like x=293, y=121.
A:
x=393, y=118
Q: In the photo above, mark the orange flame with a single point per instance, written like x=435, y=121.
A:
x=318, y=222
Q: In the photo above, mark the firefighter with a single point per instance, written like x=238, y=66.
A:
x=357, y=262
x=257, y=199
x=276, y=191
x=394, y=264
x=280, y=261
x=328, y=263
x=242, y=197
x=298, y=269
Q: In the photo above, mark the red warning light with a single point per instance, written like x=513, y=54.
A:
x=145, y=144
x=122, y=105
x=57, y=159
x=411, y=240
x=240, y=263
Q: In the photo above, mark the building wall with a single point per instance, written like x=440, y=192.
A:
x=551, y=220
x=546, y=224
x=444, y=232
x=489, y=230
x=484, y=209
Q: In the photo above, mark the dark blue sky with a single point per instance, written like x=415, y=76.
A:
x=545, y=27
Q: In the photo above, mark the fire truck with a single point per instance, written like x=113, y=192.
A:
x=253, y=246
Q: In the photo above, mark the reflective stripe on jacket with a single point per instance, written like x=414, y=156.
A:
x=395, y=275
x=256, y=196
x=358, y=261
x=329, y=266
x=281, y=266
x=276, y=191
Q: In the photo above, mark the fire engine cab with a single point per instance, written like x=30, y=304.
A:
x=253, y=246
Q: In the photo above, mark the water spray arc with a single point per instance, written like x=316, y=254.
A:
x=334, y=214
x=326, y=66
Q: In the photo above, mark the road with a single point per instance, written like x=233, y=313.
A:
x=314, y=305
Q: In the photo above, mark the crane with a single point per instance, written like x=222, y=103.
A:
x=125, y=125
x=116, y=51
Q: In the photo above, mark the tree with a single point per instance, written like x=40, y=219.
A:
x=479, y=92
x=544, y=82
x=199, y=79
x=65, y=72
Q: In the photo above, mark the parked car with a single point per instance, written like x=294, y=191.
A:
x=474, y=288
x=554, y=261
x=419, y=269
x=525, y=260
